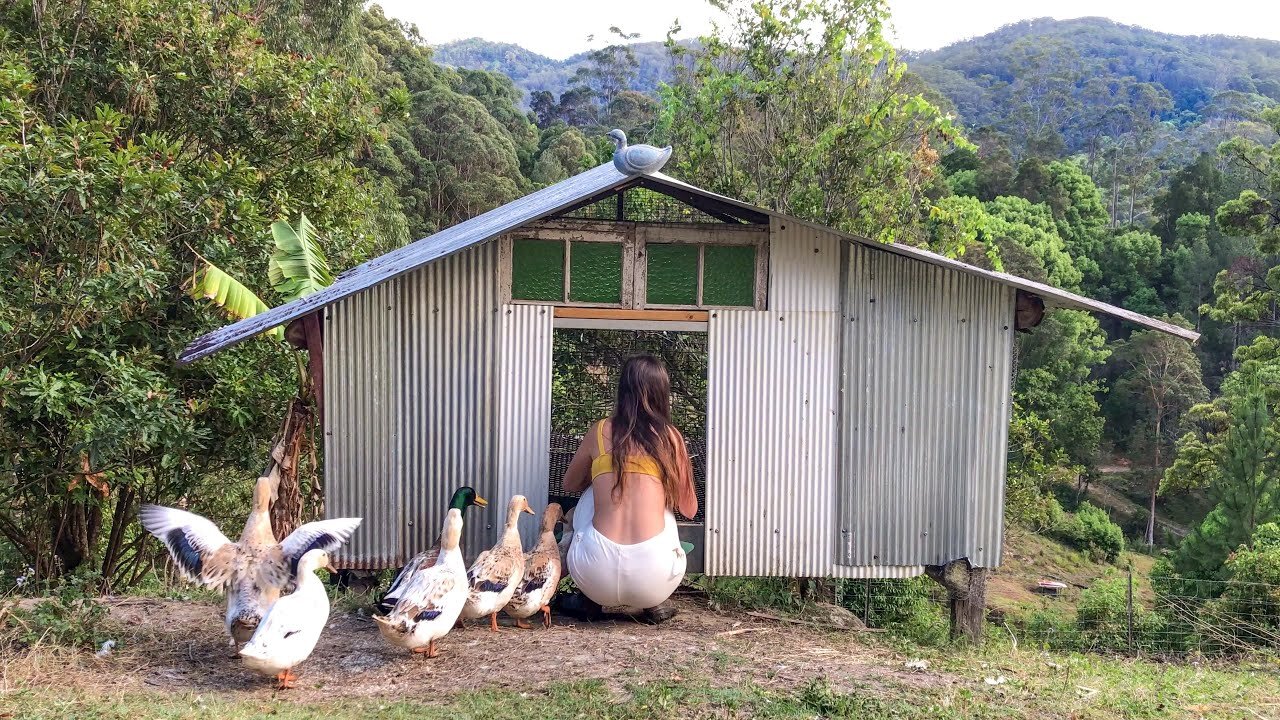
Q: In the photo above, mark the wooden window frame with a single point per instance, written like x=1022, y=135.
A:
x=634, y=238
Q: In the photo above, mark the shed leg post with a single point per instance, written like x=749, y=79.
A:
x=967, y=610
x=967, y=595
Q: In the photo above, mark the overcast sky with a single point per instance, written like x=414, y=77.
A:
x=918, y=24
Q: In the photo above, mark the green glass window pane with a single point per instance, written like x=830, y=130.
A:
x=673, y=274
x=729, y=275
x=537, y=270
x=595, y=269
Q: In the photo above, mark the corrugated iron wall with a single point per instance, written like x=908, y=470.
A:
x=524, y=410
x=804, y=267
x=927, y=354
x=771, y=442
x=410, y=407
x=362, y=433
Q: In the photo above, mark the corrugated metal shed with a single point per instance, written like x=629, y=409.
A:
x=524, y=409
x=927, y=353
x=410, y=393
x=560, y=196
x=771, y=442
x=804, y=267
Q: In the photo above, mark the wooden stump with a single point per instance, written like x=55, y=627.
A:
x=967, y=595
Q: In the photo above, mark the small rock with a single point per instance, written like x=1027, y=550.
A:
x=917, y=664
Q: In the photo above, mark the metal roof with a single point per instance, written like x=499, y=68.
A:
x=1056, y=297
x=556, y=198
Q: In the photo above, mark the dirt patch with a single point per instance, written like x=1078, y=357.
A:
x=168, y=646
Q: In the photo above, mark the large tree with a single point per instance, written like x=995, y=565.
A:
x=1162, y=379
x=138, y=141
x=803, y=107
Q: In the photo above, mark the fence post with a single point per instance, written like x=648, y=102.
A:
x=866, y=605
x=1129, y=603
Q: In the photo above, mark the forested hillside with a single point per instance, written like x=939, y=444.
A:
x=532, y=72
x=145, y=146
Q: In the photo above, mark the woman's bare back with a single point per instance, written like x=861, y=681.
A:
x=637, y=512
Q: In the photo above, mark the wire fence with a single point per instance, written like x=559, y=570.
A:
x=1119, y=613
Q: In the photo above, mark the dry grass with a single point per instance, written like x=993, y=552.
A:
x=172, y=662
x=168, y=646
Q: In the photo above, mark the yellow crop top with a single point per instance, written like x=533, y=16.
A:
x=603, y=463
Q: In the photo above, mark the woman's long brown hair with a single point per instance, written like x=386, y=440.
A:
x=642, y=424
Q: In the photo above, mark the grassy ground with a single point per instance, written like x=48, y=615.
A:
x=172, y=663
x=1030, y=686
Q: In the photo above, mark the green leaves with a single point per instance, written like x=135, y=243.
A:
x=802, y=106
x=212, y=284
x=298, y=266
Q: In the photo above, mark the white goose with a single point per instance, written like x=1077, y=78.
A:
x=253, y=571
x=292, y=627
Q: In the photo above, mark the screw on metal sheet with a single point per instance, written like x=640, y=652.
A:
x=816, y=250
x=925, y=533
x=873, y=299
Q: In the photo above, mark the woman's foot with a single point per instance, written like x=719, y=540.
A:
x=577, y=605
x=659, y=613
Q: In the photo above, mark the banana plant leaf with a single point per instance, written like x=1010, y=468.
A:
x=212, y=283
x=298, y=266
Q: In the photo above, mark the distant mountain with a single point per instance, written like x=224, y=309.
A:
x=531, y=71
x=1072, y=72
x=1076, y=80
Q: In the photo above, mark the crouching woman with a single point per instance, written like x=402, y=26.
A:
x=633, y=471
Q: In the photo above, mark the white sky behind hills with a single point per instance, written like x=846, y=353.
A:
x=560, y=28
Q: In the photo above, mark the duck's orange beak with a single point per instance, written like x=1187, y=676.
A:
x=477, y=500
x=527, y=509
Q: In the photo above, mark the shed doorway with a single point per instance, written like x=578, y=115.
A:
x=584, y=378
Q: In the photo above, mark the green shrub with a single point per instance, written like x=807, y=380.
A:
x=1091, y=530
x=913, y=607
x=1048, y=628
x=70, y=616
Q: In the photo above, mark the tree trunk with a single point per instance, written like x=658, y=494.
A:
x=1115, y=188
x=1151, y=514
x=967, y=595
x=286, y=511
x=1155, y=486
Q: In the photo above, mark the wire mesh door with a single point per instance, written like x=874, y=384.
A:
x=584, y=380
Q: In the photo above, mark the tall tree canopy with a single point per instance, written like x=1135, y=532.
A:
x=135, y=140
x=803, y=107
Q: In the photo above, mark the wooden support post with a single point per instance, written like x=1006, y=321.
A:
x=967, y=595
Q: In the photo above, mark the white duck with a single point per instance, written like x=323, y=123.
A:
x=292, y=627
x=495, y=575
x=432, y=598
x=253, y=571
x=637, y=159
x=542, y=569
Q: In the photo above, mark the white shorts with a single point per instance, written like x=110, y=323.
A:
x=635, y=576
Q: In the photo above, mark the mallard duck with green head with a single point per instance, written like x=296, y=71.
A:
x=463, y=498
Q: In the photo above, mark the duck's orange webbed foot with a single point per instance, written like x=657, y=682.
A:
x=493, y=622
x=546, y=616
x=286, y=680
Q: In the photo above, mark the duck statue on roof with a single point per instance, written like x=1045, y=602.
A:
x=637, y=159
